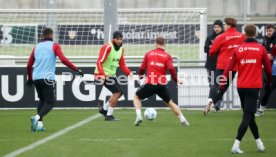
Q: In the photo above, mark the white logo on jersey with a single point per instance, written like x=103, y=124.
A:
x=232, y=46
x=232, y=37
x=248, y=61
x=241, y=49
x=158, y=54
x=157, y=64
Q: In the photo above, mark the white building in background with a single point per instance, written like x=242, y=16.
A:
x=215, y=7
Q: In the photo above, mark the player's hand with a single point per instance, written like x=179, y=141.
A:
x=180, y=82
x=141, y=77
x=29, y=83
x=79, y=73
x=131, y=75
x=101, y=77
x=270, y=57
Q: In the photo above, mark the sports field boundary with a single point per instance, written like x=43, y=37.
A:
x=51, y=137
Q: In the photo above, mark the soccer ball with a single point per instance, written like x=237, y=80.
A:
x=150, y=114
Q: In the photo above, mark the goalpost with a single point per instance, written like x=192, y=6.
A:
x=81, y=32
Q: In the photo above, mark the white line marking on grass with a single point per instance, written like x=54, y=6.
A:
x=51, y=137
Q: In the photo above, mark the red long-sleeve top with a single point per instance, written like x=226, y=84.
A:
x=224, y=45
x=249, y=58
x=156, y=62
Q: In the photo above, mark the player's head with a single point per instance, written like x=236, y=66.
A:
x=250, y=31
x=118, y=38
x=160, y=41
x=269, y=30
x=230, y=22
x=47, y=33
x=218, y=26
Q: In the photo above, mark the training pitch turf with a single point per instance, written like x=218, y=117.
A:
x=210, y=136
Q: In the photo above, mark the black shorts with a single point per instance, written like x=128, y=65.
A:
x=45, y=90
x=249, y=98
x=148, y=90
x=111, y=83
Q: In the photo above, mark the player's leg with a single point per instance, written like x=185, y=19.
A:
x=40, y=103
x=39, y=107
x=262, y=97
x=143, y=92
x=164, y=94
x=112, y=85
x=243, y=125
x=228, y=83
x=273, y=84
x=102, y=108
x=46, y=94
x=213, y=91
x=210, y=77
x=49, y=100
x=36, y=118
x=211, y=80
x=255, y=131
x=264, y=100
x=216, y=96
x=138, y=106
x=251, y=100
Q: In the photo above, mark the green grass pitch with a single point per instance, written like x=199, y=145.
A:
x=210, y=136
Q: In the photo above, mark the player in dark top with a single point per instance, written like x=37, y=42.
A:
x=267, y=92
x=268, y=42
x=249, y=58
x=211, y=62
x=156, y=62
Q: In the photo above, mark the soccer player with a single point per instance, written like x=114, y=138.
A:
x=156, y=62
x=270, y=38
x=249, y=58
x=211, y=62
x=41, y=72
x=224, y=45
x=267, y=93
x=111, y=56
x=268, y=42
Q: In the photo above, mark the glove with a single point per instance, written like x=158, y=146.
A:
x=79, y=73
x=141, y=77
x=29, y=83
x=101, y=77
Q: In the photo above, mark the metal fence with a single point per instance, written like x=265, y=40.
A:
x=194, y=93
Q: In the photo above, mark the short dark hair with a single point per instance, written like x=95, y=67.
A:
x=117, y=34
x=219, y=23
x=270, y=26
x=230, y=21
x=250, y=30
x=160, y=40
x=47, y=32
